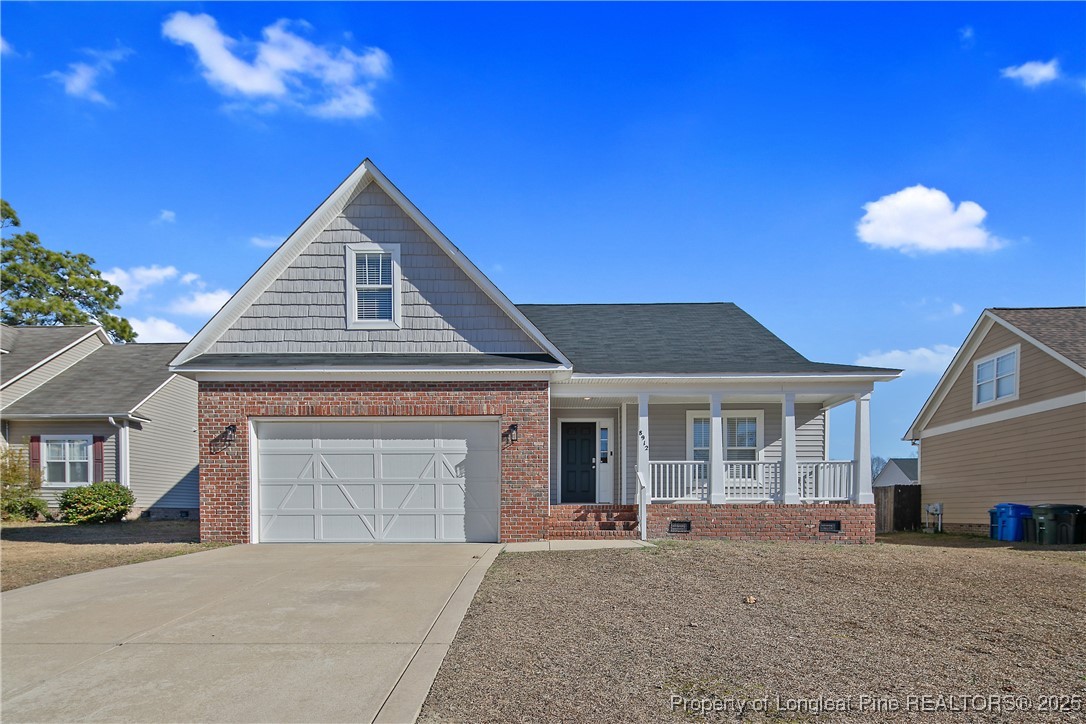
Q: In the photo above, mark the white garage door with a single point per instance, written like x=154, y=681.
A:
x=378, y=481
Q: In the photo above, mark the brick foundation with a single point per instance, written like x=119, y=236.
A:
x=764, y=522
x=983, y=529
x=224, y=473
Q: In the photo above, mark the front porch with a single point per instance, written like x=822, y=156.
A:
x=734, y=464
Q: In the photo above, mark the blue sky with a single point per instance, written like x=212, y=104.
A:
x=863, y=178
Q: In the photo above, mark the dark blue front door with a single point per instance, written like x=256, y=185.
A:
x=578, y=462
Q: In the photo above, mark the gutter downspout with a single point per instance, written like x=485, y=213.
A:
x=122, y=451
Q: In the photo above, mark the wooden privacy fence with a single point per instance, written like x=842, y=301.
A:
x=897, y=507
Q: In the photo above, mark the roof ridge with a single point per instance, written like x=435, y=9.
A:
x=1030, y=309
x=621, y=304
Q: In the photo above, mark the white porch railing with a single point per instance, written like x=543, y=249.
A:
x=825, y=480
x=679, y=480
x=753, y=480
x=688, y=480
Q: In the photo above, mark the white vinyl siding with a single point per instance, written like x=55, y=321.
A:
x=66, y=460
x=375, y=298
x=995, y=378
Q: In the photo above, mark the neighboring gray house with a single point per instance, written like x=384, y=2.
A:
x=86, y=410
x=898, y=471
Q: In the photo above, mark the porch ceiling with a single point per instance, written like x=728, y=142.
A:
x=561, y=403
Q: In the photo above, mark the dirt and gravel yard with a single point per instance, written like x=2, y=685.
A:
x=615, y=634
x=36, y=552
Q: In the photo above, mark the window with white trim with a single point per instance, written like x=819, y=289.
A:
x=741, y=438
x=995, y=378
x=373, y=286
x=66, y=459
x=742, y=435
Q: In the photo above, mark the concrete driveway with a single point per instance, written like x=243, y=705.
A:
x=284, y=633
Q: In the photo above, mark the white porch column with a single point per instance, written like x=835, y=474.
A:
x=716, y=451
x=862, y=453
x=789, y=472
x=643, y=472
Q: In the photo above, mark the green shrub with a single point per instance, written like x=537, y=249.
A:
x=19, y=487
x=105, y=502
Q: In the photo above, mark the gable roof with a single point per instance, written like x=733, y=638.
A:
x=910, y=467
x=1051, y=329
x=113, y=380
x=710, y=338
x=25, y=348
x=365, y=174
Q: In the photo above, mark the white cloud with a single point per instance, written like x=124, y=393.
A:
x=81, y=79
x=956, y=309
x=922, y=360
x=5, y=47
x=1033, y=73
x=166, y=216
x=191, y=278
x=919, y=219
x=133, y=281
x=282, y=69
x=967, y=36
x=265, y=242
x=200, y=304
x=154, y=329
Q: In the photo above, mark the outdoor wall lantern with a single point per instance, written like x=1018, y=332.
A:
x=229, y=434
x=510, y=435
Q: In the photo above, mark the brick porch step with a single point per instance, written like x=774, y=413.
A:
x=589, y=522
x=593, y=535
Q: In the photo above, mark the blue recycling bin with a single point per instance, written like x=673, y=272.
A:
x=1008, y=521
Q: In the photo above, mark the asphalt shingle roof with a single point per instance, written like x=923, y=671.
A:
x=713, y=338
x=27, y=346
x=112, y=380
x=1061, y=328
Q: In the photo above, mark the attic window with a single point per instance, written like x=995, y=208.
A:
x=995, y=378
x=373, y=286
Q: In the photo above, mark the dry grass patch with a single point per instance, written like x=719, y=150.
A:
x=613, y=634
x=36, y=552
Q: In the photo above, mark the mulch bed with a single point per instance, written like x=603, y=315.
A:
x=615, y=634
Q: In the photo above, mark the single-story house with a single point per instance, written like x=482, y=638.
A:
x=85, y=410
x=898, y=471
x=368, y=382
x=1007, y=421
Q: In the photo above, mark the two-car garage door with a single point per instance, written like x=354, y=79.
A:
x=350, y=481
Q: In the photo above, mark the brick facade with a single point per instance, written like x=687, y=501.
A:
x=764, y=522
x=224, y=471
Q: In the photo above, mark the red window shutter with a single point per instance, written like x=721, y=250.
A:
x=35, y=452
x=99, y=459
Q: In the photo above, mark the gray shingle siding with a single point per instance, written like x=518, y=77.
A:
x=442, y=310
x=164, y=453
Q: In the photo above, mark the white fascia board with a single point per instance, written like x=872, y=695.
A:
x=97, y=330
x=953, y=370
x=680, y=379
x=79, y=416
x=827, y=388
x=466, y=265
x=276, y=264
x=332, y=206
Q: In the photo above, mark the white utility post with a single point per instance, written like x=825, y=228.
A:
x=716, y=451
x=862, y=452
x=789, y=472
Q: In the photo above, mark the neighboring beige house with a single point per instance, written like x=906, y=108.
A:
x=86, y=410
x=1007, y=421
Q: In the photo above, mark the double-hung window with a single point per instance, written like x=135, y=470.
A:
x=743, y=435
x=66, y=459
x=373, y=286
x=995, y=378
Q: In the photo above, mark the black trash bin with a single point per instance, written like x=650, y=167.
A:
x=1058, y=524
